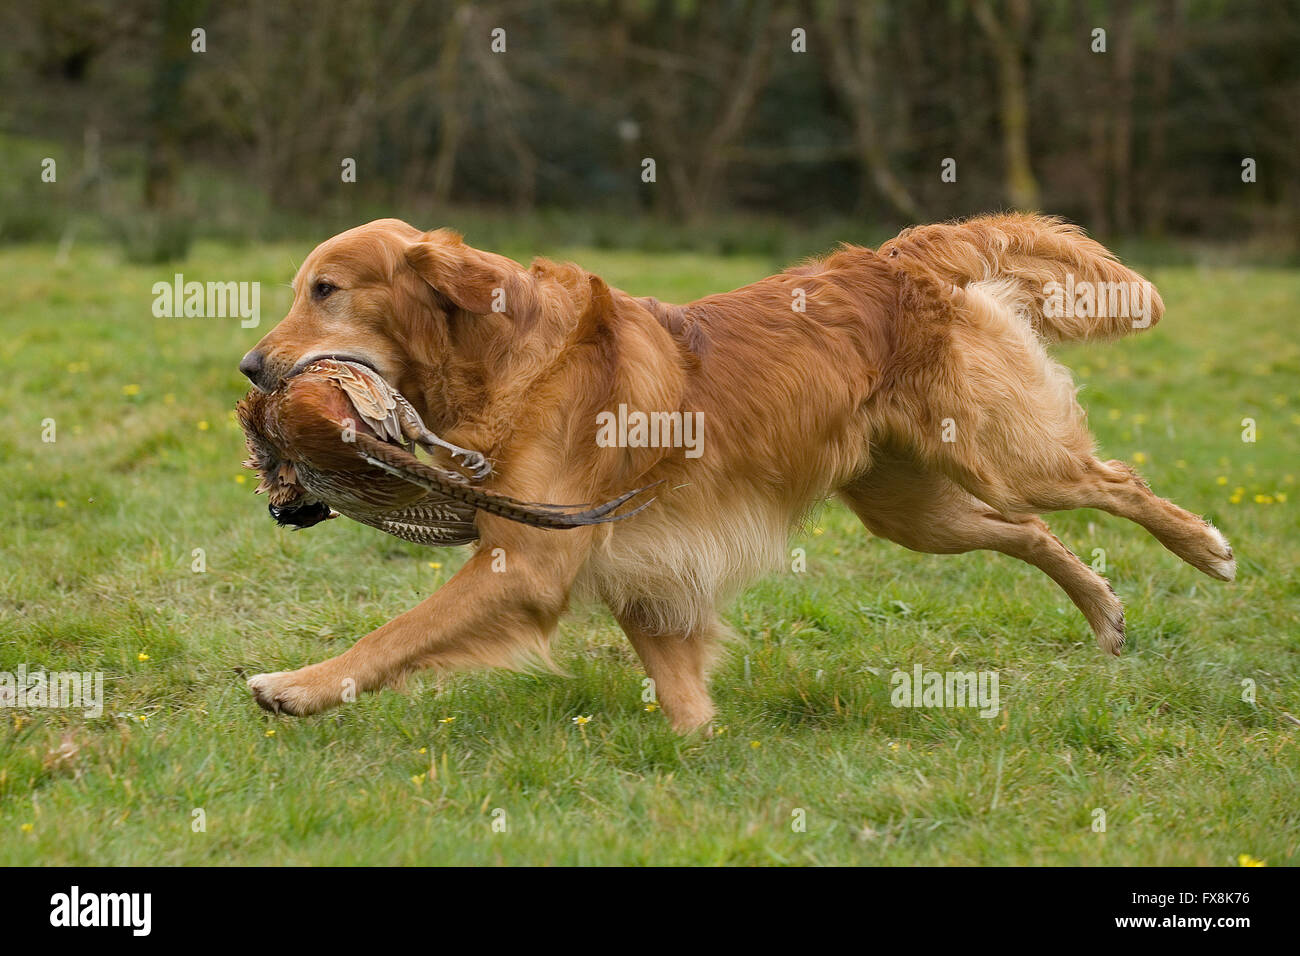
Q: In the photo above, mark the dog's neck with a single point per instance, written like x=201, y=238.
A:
x=463, y=382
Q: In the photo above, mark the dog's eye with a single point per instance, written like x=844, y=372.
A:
x=322, y=290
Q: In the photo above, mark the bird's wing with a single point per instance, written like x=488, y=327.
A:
x=388, y=413
x=369, y=394
x=398, y=461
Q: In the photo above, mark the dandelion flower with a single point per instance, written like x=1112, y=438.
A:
x=142, y=657
x=1221, y=480
x=1246, y=859
x=27, y=827
x=131, y=389
x=651, y=707
x=1139, y=458
x=755, y=744
x=204, y=426
x=448, y=720
x=271, y=732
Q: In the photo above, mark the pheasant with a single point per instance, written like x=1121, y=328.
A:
x=336, y=437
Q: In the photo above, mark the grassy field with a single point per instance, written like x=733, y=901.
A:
x=96, y=574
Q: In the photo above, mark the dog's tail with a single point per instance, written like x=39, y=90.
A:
x=1068, y=287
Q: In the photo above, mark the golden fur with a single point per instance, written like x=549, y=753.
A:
x=914, y=383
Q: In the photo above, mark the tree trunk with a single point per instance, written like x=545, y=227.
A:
x=1007, y=37
x=852, y=68
x=1122, y=106
x=450, y=124
x=162, y=145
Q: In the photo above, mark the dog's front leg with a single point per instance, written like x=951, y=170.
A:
x=502, y=605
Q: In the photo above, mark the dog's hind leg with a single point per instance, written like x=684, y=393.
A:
x=925, y=511
x=678, y=662
x=1001, y=420
x=1115, y=488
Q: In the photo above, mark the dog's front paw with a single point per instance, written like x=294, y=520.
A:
x=291, y=692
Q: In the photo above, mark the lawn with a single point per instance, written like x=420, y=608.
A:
x=97, y=574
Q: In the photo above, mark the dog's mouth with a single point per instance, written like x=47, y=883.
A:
x=303, y=363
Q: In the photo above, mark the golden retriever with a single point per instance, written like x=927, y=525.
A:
x=911, y=381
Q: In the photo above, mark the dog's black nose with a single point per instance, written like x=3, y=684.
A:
x=251, y=365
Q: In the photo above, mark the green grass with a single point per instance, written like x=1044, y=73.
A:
x=95, y=571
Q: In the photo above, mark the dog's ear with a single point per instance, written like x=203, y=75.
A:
x=476, y=281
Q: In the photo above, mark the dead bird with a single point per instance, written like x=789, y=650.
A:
x=336, y=438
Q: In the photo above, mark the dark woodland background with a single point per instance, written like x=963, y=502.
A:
x=157, y=145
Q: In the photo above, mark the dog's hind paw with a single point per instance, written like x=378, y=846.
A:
x=1219, y=562
x=1110, y=633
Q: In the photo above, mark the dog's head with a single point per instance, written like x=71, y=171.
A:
x=430, y=314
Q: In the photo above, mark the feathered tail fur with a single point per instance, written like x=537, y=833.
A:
x=1068, y=287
